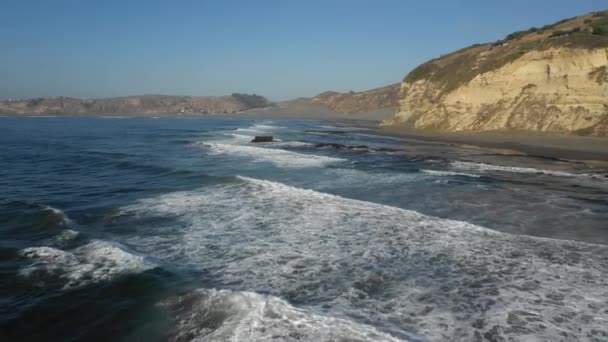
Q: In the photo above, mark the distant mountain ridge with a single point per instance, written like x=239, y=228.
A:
x=137, y=105
x=359, y=102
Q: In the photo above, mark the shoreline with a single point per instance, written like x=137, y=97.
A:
x=538, y=144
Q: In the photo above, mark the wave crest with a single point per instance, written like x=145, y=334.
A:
x=278, y=157
x=214, y=315
x=529, y=170
x=94, y=262
x=394, y=268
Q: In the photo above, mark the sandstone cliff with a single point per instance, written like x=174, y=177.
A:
x=359, y=102
x=142, y=105
x=553, y=79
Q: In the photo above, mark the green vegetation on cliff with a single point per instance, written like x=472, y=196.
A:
x=358, y=102
x=252, y=101
x=548, y=79
x=458, y=68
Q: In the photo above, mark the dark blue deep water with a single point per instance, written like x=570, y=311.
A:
x=156, y=229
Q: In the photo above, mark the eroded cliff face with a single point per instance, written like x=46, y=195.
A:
x=556, y=86
x=558, y=90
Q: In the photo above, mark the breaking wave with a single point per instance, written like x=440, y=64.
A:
x=489, y=167
x=406, y=272
x=448, y=173
x=241, y=138
x=213, y=315
x=94, y=262
x=258, y=128
x=276, y=156
x=57, y=215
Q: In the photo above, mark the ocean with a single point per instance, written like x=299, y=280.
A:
x=181, y=229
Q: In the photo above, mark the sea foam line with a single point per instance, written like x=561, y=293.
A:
x=248, y=316
x=381, y=263
x=259, y=128
x=278, y=157
x=514, y=169
x=448, y=173
x=94, y=262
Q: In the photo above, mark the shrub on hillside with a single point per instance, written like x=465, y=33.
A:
x=519, y=34
x=251, y=101
x=560, y=33
x=600, y=26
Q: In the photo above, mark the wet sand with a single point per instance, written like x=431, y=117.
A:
x=593, y=149
x=515, y=142
x=506, y=142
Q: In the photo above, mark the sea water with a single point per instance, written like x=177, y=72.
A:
x=182, y=229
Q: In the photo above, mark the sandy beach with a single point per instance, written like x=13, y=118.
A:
x=530, y=143
x=507, y=142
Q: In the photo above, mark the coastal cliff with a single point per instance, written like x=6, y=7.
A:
x=141, y=105
x=552, y=79
x=359, y=102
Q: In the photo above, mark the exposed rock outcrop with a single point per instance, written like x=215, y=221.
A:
x=552, y=79
x=262, y=138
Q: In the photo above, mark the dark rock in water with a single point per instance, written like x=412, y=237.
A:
x=332, y=145
x=262, y=138
x=341, y=146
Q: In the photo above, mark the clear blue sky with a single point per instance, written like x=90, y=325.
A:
x=281, y=49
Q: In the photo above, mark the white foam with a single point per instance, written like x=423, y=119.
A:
x=440, y=173
x=212, y=315
x=94, y=262
x=406, y=272
x=340, y=178
x=259, y=128
x=266, y=127
x=489, y=167
x=65, y=237
x=60, y=214
x=276, y=156
x=293, y=143
x=48, y=255
x=241, y=137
